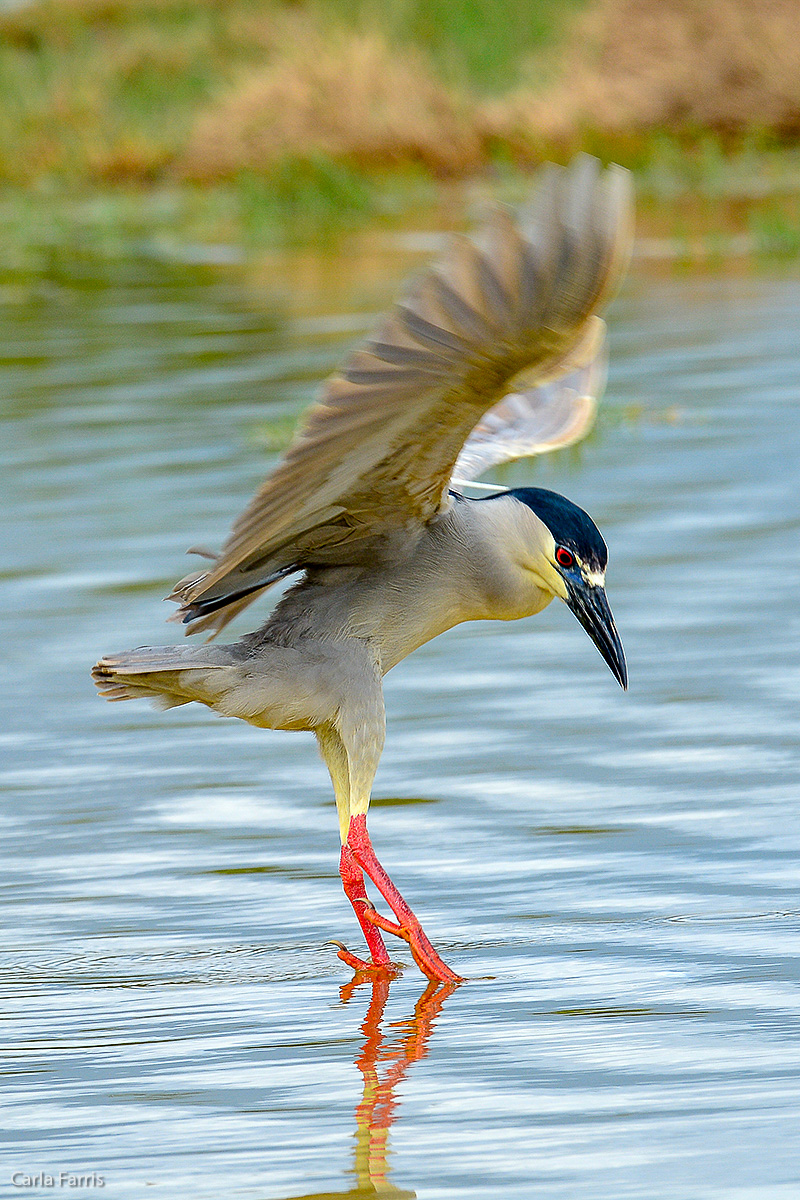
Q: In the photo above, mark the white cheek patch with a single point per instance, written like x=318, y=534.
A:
x=594, y=578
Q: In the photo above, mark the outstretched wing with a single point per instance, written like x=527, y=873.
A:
x=373, y=463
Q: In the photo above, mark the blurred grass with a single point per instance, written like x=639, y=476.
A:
x=242, y=122
x=308, y=196
x=111, y=89
x=99, y=90
x=479, y=45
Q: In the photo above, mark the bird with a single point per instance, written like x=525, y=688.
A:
x=494, y=352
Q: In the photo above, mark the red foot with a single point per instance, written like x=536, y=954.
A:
x=362, y=967
x=358, y=853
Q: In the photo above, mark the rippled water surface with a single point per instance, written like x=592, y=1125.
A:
x=617, y=874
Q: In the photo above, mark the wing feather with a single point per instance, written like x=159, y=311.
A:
x=373, y=463
x=428, y=332
x=551, y=414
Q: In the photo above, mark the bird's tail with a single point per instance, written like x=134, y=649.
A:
x=167, y=675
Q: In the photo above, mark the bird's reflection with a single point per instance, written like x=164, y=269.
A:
x=383, y=1063
x=386, y=1055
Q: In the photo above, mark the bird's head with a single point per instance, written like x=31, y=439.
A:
x=567, y=557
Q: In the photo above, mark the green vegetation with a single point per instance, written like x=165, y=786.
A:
x=111, y=90
x=477, y=45
x=108, y=91
x=246, y=121
x=307, y=196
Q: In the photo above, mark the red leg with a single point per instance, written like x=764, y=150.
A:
x=408, y=927
x=353, y=883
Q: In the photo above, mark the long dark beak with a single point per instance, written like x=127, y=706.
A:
x=591, y=608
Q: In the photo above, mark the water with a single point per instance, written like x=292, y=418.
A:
x=617, y=875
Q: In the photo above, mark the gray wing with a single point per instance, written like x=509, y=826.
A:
x=544, y=416
x=373, y=462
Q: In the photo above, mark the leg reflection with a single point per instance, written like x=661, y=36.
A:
x=383, y=1063
x=384, y=1059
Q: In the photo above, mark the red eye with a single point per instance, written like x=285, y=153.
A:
x=564, y=558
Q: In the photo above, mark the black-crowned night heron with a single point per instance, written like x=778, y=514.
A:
x=495, y=353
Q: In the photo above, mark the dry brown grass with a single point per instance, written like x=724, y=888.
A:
x=628, y=67
x=635, y=65
x=342, y=95
x=144, y=90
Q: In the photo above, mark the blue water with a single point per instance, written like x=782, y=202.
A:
x=616, y=874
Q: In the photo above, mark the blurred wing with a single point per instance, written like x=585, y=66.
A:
x=544, y=417
x=373, y=463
